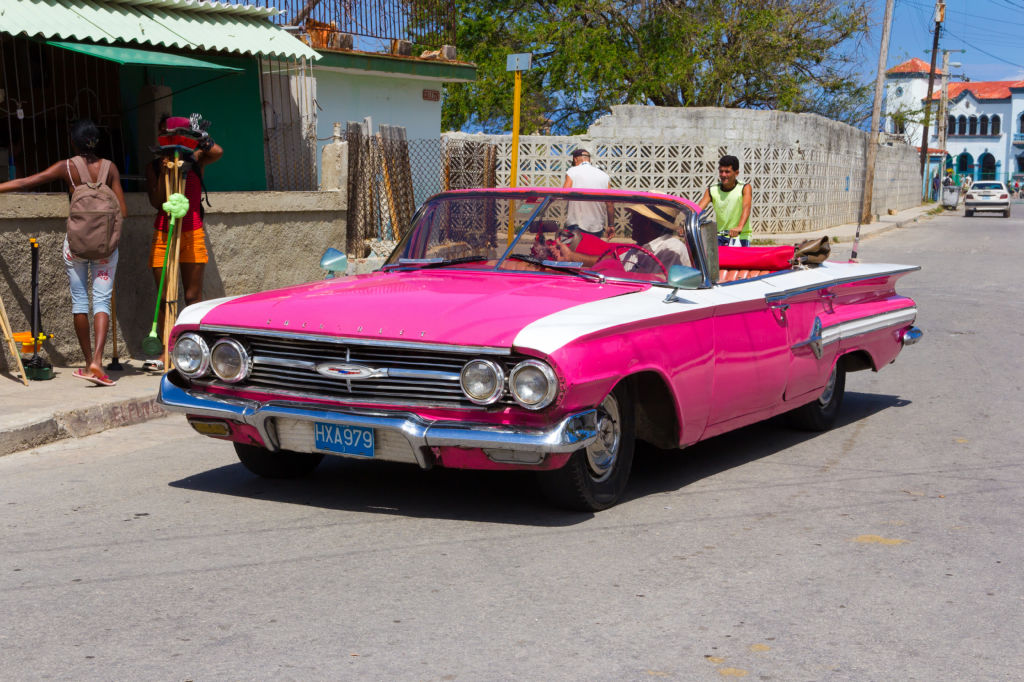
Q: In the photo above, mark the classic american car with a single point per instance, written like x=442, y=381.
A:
x=502, y=334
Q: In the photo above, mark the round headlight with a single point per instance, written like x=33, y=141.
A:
x=534, y=384
x=230, y=361
x=482, y=381
x=191, y=355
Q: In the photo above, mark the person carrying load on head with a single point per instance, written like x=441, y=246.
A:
x=731, y=200
x=193, y=255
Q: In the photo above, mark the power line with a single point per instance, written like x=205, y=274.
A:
x=975, y=47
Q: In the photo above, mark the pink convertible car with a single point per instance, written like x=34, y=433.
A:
x=536, y=329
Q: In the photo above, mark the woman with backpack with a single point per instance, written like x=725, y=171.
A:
x=192, y=254
x=94, y=226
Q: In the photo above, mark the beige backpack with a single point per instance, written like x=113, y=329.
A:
x=94, y=219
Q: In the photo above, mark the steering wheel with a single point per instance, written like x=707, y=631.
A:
x=618, y=248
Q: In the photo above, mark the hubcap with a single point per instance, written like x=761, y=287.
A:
x=826, y=396
x=602, y=453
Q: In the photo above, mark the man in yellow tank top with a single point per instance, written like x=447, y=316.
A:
x=731, y=200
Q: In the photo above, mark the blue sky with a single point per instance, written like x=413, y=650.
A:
x=992, y=32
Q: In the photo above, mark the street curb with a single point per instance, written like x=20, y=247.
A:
x=79, y=423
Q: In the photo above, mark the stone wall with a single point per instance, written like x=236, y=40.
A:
x=256, y=240
x=806, y=171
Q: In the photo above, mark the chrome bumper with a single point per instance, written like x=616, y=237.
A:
x=571, y=433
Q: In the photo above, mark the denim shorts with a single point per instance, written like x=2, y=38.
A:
x=103, y=271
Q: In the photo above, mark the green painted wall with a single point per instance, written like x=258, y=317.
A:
x=230, y=100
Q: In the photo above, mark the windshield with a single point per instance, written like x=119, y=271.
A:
x=988, y=185
x=631, y=238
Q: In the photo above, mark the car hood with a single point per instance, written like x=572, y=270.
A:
x=468, y=309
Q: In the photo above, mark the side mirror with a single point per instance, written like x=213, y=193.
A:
x=334, y=261
x=684, y=277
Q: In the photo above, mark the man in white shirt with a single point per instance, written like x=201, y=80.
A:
x=589, y=216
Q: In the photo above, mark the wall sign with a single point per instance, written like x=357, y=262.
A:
x=432, y=95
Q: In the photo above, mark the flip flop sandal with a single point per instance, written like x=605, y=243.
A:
x=102, y=380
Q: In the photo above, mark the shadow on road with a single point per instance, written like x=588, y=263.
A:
x=510, y=497
x=659, y=471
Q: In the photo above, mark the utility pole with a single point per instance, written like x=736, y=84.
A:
x=944, y=103
x=940, y=15
x=867, y=192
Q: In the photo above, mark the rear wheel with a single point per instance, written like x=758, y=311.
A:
x=595, y=477
x=821, y=414
x=280, y=464
x=1006, y=213
x=968, y=213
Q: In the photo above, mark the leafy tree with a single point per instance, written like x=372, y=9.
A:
x=790, y=55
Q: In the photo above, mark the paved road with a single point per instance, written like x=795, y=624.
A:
x=887, y=549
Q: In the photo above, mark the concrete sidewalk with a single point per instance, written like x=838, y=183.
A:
x=67, y=407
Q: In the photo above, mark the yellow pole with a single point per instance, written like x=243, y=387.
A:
x=514, y=180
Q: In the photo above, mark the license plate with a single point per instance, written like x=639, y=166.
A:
x=343, y=440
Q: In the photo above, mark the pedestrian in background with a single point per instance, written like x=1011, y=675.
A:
x=589, y=216
x=732, y=200
x=78, y=172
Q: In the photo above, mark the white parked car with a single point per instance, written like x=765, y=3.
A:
x=987, y=195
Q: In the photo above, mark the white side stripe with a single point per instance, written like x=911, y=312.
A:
x=554, y=331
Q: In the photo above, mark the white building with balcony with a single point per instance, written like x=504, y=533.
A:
x=984, y=122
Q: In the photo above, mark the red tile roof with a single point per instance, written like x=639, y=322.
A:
x=982, y=90
x=914, y=65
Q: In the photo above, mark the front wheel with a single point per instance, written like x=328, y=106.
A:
x=595, y=477
x=280, y=464
x=821, y=414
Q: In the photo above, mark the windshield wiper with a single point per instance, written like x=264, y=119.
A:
x=572, y=267
x=433, y=262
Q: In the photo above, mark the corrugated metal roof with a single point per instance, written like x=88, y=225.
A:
x=184, y=24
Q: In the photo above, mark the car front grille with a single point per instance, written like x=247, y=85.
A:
x=409, y=373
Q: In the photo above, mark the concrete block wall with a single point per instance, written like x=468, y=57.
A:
x=806, y=171
x=256, y=240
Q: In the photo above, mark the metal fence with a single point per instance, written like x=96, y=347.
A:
x=288, y=92
x=43, y=89
x=389, y=176
x=429, y=22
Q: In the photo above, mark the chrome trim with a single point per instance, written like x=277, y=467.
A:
x=911, y=336
x=283, y=362
x=348, y=341
x=548, y=373
x=866, y=325
x=573, y=432
x=814, y=340
x=808, y=288
x=285, y=393
x=243, y=354
x=499, y=382
x=399, y=373
x=204, y=366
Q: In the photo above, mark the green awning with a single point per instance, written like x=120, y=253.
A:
x=130, y=55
